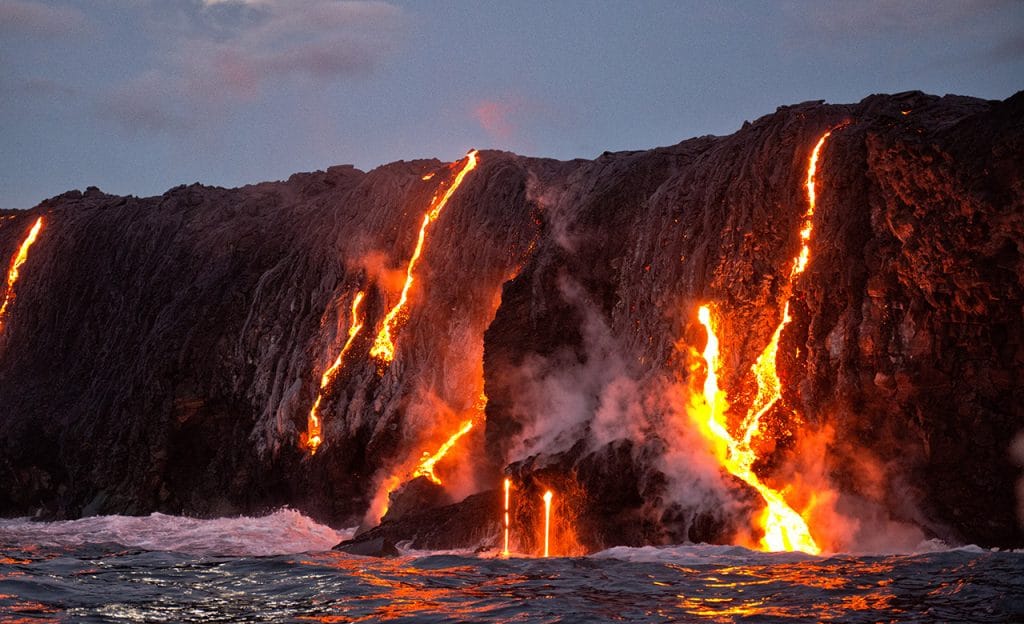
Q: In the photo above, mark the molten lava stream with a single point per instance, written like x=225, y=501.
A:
x=547, y=522
x=16, y=262
x=313, y=425
x=508, y=487
x=426, y=467
x=769, y=386
x=384, y=346
x=784, y=529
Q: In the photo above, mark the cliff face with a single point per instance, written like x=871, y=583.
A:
x=163, y=353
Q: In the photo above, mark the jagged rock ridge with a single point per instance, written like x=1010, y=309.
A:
x=163, y=352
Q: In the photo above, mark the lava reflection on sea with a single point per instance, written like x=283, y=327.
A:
x=247, y=569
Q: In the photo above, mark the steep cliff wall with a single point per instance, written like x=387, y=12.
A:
x=163, y=353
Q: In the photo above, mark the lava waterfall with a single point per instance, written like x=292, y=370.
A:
x=805, y=335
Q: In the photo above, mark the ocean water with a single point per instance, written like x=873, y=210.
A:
x=279, y=568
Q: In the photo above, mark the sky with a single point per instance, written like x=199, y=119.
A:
x=137, y=96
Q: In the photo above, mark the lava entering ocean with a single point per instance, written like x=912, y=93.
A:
x=505, y=523
x=784, y=528
x=14, y=271
x=547, y=522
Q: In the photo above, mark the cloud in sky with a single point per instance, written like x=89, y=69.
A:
x=35, y=19
x=239, y=47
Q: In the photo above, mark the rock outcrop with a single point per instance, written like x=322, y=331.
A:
x=162, y=353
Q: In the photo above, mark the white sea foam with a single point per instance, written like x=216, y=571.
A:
x=697, y=554
x=283, y=532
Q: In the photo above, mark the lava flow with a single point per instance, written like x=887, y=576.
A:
x=769, y=386
x=784, y=529
x=426, y=467
x=384, y=346
x=508, y=486
x=547, y=521
x=16, y=262
x=313, y=425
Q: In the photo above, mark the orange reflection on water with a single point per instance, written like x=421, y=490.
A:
x=33, y=612
x=718, y=609
x=843, y=588
x=394, y=589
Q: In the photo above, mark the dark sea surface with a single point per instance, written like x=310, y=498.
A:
x=279, y=569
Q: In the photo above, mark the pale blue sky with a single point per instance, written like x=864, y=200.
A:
x=136, y=96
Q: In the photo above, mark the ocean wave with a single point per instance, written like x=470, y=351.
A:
x=698, y=554
x=282, y=532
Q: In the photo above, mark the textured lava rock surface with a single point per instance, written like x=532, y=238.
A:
x=162, y=353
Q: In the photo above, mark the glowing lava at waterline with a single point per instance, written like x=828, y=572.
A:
x=508, y=486
x=784, y=529
x=384, y=346
x=313, y=424
x=16, y=262
x=547, y=521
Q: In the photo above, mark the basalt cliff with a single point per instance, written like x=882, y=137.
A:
x=221, y=351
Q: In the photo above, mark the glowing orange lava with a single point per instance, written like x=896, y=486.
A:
x=384, y=346
x=426, y=467
x=800, y=262
x=16, y=262
x=769, y=386
x=784, y=529
x=547, y=521
x=508, y=486
x=313, y=425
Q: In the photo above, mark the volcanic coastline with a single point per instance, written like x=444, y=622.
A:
x=214, y=351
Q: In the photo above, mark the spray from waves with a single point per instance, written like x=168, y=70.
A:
x=700, y=554
x=695, y=554
x=283, y=532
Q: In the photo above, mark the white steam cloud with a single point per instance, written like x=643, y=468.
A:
x=564, y=398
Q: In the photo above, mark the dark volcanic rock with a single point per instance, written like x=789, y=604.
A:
x=162, y=353
x=414, y=496
x=379, y=547
x=471, y=523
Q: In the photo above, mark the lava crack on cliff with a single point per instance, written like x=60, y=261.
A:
x=15, y=269
x=384, y=345
x=314, y=432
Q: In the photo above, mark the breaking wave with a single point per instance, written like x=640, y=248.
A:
x=695, y=554
x=283, y=532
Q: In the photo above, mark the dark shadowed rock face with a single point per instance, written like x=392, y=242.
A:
x=162, y=353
